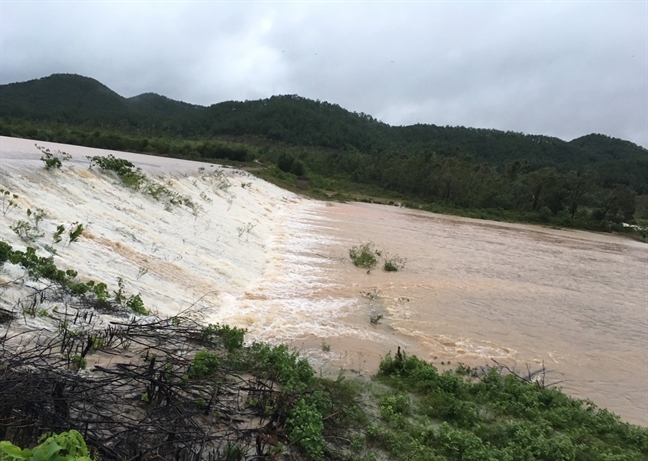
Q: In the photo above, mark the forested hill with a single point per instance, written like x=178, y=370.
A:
x=73, y=99
x=594, y=178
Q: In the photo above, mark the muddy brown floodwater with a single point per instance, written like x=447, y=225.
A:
x=471, y=291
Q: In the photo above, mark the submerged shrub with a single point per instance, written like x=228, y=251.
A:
x=53, y=159
x=394, y=263
x=75, y=231
x=364, y=255
x=7, y=201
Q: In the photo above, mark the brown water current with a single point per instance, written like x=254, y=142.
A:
x=471, y=291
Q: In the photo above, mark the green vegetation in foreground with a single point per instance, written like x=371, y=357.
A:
x=409, y=411
x=67, y=446
x=427, y=415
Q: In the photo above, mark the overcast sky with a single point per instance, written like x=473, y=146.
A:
x=562, y=69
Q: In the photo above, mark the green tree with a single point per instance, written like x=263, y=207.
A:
x=616, y=204
x=578, y=185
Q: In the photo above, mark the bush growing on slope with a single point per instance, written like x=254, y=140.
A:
x=53, y=159
x=130, y=176
x=135, y=179
x=7, y=202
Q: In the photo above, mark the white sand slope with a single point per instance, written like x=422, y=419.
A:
x=175, y=256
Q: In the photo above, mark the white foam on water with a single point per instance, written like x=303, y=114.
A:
x=287, y=303
x=248, y=257
x=173, y=255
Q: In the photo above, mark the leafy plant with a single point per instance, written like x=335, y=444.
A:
x=22, y=229
x=364, y=255
x=50, y=249
x=25, y=231
x=79, y=362
x=100, y=290
x=8, y=202
x=66, y=446
x=136, y=304
x=393, y=263
x=120, y=166
x=97, y=343
x=57, y=234
x=135, y=179
x=232, y=338
x=305, y=428
x=204, y=364
x=142, y=272
x=53, y=159
x=120, y=297
x=75, y=231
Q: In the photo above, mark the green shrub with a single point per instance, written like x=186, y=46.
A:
x=53, y=159
x=204, y=364
x=79, y=362
x=25, y=231
x=112, y=163
x=7, y=202
x=390, y=405
x=305, y=427
x=394, y=263
x=57, y=234
x=136, y=304
x=364, y=255
x=135, y=179
x=75, y=231
x=281, y=364
x=231, y=338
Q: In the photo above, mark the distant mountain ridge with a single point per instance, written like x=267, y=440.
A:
x=77, y=100
x=74, y=99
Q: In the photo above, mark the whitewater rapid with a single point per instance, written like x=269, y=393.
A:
x=202, y=257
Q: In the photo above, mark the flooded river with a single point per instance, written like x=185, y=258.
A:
x=471, y=291
x=252, y=255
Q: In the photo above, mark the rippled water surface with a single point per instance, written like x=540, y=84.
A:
x=471, y=291
x=256, y=256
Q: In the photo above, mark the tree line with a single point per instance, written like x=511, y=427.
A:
x=594, y=181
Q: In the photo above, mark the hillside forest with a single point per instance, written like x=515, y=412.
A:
x=593, y=182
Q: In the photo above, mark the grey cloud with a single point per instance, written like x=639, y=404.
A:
x=562, y=69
